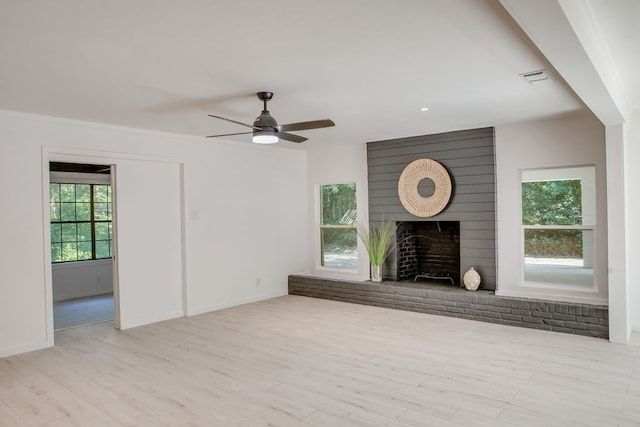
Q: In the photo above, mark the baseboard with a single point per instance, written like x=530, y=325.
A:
x=229, y=304
x=12, y=351
x=147, y=321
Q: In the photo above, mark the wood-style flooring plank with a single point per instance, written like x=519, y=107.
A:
x=296, y=361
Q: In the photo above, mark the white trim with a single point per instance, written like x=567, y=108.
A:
x=132, y=323
x=332, y=271
x=114, y=246
x=558, y=291
x=47, y=265
x=235, y=303
x=100, y=157
x=184, y=224
x=11, y=351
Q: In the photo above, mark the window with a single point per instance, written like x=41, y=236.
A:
x=558, y=222
x=338, y=226
x=80, y=221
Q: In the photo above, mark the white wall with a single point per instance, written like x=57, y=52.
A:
x=574, y=140
x=248, y=223
x=336, y=164
x=632, y=178
x=245, y=209
x=82, y=279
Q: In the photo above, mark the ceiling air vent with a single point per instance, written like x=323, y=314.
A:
x=537, y=77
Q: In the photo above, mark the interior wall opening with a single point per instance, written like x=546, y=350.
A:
x=81, y=226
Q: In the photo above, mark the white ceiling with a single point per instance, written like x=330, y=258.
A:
x=367, y=64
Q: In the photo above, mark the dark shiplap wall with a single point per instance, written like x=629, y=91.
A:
x=469, y=157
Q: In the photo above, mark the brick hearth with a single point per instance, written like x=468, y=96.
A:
x=454, y=301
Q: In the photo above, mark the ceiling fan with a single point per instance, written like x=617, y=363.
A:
x=266, y=129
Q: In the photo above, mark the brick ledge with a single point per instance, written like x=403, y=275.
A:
x=446, y=300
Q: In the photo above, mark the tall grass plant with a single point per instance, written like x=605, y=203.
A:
x=379, y=240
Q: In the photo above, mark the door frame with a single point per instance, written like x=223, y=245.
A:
x=72, y=155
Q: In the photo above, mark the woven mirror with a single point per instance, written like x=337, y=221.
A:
x=411, y=198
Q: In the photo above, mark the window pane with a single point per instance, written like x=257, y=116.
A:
x=56, y=233
x=103, y=249
x=83, y=211
x=54, y=209
x=56, y=252
x=83, y=193
x=101, y=193
x=84, y=232
x=553, y=243
x=102, y=212
x=339, y=247
x=559, y=256
x=68, y=212
x=556, y=202
x=68, y=192
x=71, y=205
x=69, y=232
x=54, y=192
x=338, y=204
x=69, y=252
x=103, y=231
x=84, y=250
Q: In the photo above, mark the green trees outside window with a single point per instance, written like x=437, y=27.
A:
x=552, y=203
x=81, y=227
x=338, y=226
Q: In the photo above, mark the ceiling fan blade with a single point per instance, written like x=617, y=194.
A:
x=227, y=134
x=291, y=137
x=315, y=124
x=234, y=121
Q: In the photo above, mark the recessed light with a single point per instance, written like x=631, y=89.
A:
x=424, y=109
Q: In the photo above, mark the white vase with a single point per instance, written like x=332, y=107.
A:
x=376, y=273
x=471, y=279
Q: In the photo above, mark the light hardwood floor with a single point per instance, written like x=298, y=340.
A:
x=299, y=361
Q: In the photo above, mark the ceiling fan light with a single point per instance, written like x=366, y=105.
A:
x=265, y=138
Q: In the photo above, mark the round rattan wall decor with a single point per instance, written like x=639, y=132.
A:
x=412, y=200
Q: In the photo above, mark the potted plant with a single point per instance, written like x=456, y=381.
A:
x=379, y=240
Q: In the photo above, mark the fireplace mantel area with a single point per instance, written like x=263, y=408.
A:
x=469, y=217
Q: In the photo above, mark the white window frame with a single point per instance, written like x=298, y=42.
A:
x=320, y=226
x=570, y=288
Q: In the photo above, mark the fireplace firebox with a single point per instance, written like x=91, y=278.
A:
x=428, y=250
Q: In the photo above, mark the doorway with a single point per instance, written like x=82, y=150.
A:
x=81, y=227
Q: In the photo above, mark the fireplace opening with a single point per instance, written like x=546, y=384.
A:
x=428, y=250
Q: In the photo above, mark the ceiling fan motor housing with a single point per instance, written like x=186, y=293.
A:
x=265, y=120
